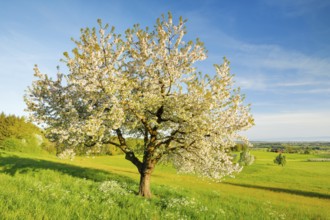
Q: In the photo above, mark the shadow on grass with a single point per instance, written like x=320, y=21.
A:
x=13, y=164
x=281, y=190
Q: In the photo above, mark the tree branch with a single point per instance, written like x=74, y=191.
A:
x=113, y=143
x=142, y=119
x=128, y=152
x=146, y=138
x=180, y=147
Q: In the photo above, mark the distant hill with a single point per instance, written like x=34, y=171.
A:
x=295, y=139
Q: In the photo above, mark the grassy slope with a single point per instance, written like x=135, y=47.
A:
x=47, y=188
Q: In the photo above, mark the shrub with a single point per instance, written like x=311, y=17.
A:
x=17, y=134
x=246, y=158
x=67, y=154
x=27, y=145
x=12, y=144
x=280, y=160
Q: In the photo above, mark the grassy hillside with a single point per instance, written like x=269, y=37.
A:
x=19, y=135
x=44, y=187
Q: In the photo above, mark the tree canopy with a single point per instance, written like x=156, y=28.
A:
x=144, y=85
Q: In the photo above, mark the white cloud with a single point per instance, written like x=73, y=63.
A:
x=276, y=58
x=272, y=68
x=256, y=83
x=258, y=58
x=290, y=125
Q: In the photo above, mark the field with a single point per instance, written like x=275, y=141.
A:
x=45, y=187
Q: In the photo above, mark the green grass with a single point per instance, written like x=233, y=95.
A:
x=44, y=187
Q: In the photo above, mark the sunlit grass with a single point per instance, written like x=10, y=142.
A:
x=44, y=187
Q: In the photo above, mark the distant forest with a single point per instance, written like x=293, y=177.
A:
x=293, y=147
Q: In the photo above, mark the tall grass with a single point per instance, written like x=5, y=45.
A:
x=44, y=187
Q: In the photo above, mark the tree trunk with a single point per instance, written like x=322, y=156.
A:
x=144, y=189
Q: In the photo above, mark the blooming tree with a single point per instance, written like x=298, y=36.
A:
x=144, y=85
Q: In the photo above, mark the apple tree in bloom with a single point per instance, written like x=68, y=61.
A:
x=145, y=85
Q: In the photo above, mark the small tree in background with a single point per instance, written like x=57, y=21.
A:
x=280, y=160
x=246, y=158
x=144, y=85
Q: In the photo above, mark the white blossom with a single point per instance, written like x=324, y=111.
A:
x=67, y=154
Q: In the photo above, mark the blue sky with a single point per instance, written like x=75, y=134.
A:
x=279, y=51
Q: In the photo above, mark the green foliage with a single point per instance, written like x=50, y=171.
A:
x=48, y=146
x=307, y=151
x=293, y=148
x=280, y=160
x=297, y=149
x=136, y=144
x=12, y=126
x=246, y=158
x=289, y=149
x=17, y=134
x=113, y=150
x=11, y=144
x=239, y=147
x=28, y=145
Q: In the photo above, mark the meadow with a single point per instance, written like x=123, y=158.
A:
x=41, y=186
